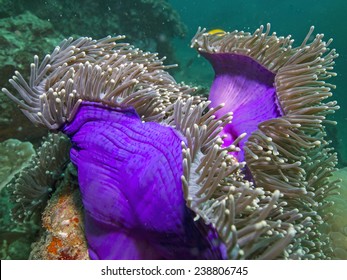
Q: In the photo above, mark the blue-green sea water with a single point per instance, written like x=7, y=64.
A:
x=286, y=17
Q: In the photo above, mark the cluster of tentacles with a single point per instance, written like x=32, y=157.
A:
x=163, y=174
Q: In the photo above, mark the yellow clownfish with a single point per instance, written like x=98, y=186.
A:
x=218, y=32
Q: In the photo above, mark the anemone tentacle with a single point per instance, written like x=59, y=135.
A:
x=277, y=95
x=34, y=184
x=276, y=148
x=95, y=70
x=215, y=188
x=105, y=97
x=136, y=131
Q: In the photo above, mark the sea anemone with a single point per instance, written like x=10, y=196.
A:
x=275, y=92
x=105, y=95
x=34, y=184
x=157, y=176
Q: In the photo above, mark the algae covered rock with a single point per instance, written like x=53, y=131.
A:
x=21, y=37
x=23, y=200
x=15, y=155
x=19, y=42
x=337, y=224
x=149, y=24
x=62, y=237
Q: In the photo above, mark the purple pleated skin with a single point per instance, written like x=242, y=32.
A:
x=247, y=89
x=129, y=174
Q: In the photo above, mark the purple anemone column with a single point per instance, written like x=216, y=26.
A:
x=129, y=174
x=247, y=89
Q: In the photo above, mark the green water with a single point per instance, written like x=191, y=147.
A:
x=286, y=17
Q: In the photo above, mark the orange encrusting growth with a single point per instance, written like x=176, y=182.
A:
x=63, y=221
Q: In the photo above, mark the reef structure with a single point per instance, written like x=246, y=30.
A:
x=15, y=155
x=157, y=177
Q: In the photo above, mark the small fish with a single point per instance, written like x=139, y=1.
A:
x=218, y=32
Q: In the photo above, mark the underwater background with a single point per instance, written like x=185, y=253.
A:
x=37, y=26
x=34, y=27
x=286, y=17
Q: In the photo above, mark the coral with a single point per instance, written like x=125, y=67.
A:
x=147, y=23
x=159, y=23
x=18, y=43
x=336, y=226
x=62, y=222
x=18, y=40
x=14, y=157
